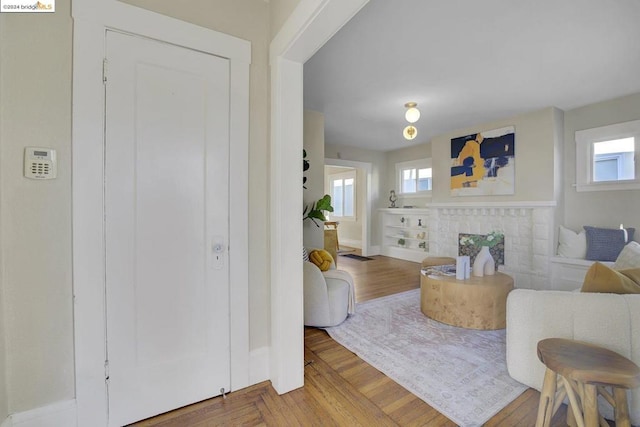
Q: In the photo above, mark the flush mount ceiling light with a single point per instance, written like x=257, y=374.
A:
x=410, y=132
x=412, y=115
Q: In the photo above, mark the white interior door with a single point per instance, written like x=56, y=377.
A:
x=166, y=225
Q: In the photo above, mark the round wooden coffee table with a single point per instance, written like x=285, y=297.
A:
x=474, y=303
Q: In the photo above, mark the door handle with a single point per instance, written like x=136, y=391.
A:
x=218, y=249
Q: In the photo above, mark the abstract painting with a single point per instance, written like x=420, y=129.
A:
x=483, y=163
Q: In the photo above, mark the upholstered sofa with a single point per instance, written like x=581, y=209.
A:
x=609, y=320
x=329, y=296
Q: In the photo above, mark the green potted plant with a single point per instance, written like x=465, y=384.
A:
x=315, y=211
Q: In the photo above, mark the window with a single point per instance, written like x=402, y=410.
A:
x=342, y=187
x=606, y=157
x=414, y=177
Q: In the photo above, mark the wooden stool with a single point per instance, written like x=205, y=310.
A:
x=581, y=371
x=328, y=225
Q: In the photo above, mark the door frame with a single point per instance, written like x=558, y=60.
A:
x=91, y=20
x=309, y=27
x=366, y=209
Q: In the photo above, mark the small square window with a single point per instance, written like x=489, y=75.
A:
x=606, y=157
x=414, y=177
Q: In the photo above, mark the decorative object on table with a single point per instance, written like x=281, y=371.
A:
x=439, y=270
x=419, y=222
x=401, y=242
x=484, y=265
x=466, y=377
x=482, y=164
x=393, y=198
x=463, y=267
x=420, y=235
x=422, y=245
x=470, y=244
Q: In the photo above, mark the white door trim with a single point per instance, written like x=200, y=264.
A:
x=91, y=19
x=311, y=24
x=366, y=211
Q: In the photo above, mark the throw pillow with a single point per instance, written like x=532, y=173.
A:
x=629, y=257
x=321, y=258
x=305, y=254
x=572, y=244
x=605, y=244
x=600, y=278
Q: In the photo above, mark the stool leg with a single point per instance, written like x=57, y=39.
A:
x=575, y=393
x=571, y=419
x=621, y=408
x=547, y=396
x=590, y=406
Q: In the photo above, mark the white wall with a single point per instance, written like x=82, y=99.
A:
x=4, y=400
x=313, y=142
x=279, y=12
x=534, y=161
x=599, y=208
x=36, y=215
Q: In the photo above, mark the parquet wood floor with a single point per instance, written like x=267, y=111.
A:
x=340, y=389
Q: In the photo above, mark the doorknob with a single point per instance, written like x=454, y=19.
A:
x=218, y=248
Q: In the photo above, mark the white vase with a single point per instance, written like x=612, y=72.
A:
x=484, y=263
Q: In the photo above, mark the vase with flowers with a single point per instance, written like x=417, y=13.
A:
x=484, y=263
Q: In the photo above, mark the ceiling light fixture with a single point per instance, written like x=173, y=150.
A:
x=412, y=115
x=410, y=132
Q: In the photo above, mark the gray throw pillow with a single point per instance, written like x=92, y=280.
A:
x=605, y=244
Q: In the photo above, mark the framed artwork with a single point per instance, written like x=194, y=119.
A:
x=483, y=164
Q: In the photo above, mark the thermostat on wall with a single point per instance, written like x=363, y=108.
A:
x=40, y=163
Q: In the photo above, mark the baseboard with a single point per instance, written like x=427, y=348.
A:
x=259, y=365
x=55, y=415
x=351, y=243
x=374, y=250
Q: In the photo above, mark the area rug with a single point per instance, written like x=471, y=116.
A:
x=460, y=372
x=358, y=257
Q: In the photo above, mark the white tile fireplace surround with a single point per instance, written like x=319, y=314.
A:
x=528, y=233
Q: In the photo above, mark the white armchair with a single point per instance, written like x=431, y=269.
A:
x=609, y=320
x=328, y=296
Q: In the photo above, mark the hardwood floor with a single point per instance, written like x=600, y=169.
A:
x=340, y=389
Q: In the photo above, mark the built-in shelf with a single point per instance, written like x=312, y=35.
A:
x=408, y=225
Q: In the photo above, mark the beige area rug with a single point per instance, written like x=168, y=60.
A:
x=460, y=372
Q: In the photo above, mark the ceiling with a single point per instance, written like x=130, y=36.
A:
x=467, y=62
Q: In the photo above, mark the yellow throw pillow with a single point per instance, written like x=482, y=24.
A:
x=321, y=258
x=600, y=278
